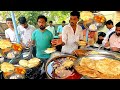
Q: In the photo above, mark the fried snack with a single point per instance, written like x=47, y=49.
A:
x=7, y=67
x=86, y=71
x=23, y=63
x=5, y=44
x=79, y=52
x=88, y=62
x=50, y=50
x=5, y=50
x=68, y=63
x=110, y=67
x=82, y=43
x=86, y=15
x=104, y=69
x=30, y=63
x=33, y=62
x=17, y=47
x=20, y=70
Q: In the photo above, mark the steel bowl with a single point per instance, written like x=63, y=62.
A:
x=50, y=70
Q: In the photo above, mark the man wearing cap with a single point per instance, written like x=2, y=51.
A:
x=92, y=35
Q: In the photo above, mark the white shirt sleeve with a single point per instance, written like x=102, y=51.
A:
x=104, y=41
x=6, y=34
x=64, y=35
x=106, y=38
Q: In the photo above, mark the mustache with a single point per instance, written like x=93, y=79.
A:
x=42, y=27
x=71, y=23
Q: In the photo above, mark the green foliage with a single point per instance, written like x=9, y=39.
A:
x=56, y=16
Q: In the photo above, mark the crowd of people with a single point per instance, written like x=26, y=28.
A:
x=43, y=37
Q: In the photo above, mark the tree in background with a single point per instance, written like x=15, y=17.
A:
x=56, y=16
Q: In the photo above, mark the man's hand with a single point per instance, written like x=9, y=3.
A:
x=107, y=44
x=115, y=49
x=56, y=42
x=23, y=45
x=29, y=44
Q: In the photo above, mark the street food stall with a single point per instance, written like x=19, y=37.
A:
x=87, y=62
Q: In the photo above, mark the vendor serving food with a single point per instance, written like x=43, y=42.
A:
x=71, y=33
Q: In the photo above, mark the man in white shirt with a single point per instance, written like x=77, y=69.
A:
x=51, y=28
x=10, y=33
x=111, y=28
x=71, y=34
x=25, y=31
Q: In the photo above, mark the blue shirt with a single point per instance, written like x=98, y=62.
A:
x=42, y=42
x=60, y=28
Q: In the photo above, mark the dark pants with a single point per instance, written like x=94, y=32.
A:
x=34, y=51
x=44, y=61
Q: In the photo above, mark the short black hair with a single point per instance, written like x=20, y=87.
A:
x=63, y=22
x=22, y=20
x=75, y=13
x=42, y=16
x=109, y=22
x=118, y=24
x=8, y=19
x=101, y=34
x=50, y=22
